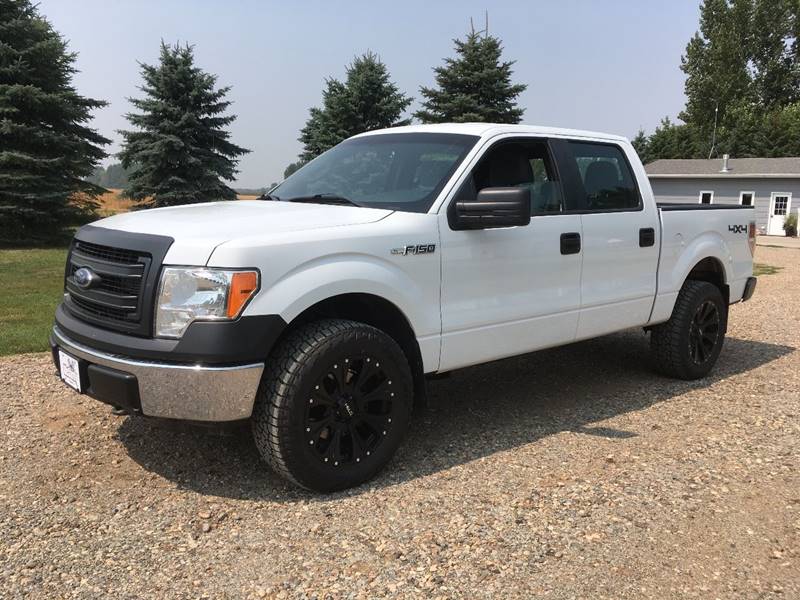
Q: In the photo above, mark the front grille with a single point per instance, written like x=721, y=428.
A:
x=114, y=300
x=126, y=266
x=118, y=255
x=98, y=310
x=115, y=284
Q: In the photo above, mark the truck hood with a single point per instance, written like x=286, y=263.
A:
x=199, y=228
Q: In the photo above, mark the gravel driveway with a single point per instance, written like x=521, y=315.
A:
x=574, y=472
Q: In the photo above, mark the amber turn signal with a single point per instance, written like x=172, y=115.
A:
x=243, y=285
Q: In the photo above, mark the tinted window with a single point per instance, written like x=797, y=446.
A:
x=518, y=164
x=400, y=171
x=607, y=179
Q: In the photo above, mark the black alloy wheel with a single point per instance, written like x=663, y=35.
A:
x=334, y=404
x=704, y=332
x=688, y=345
x=350, y=410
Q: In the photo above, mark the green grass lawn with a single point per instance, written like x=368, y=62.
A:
x=31, y=284
x=762, y=269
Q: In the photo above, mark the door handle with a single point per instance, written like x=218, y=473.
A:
x=570, y=243
x=647, y=237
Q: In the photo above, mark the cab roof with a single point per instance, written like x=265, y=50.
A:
x=486, y=130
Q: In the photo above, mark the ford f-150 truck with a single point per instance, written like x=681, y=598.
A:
x=318, y=311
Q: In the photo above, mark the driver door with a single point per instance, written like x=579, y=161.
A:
x=511, y=290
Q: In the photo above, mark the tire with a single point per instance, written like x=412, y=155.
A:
x=333, y=405
x=688, y=345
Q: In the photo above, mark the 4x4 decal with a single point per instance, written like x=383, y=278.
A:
x=737, y=228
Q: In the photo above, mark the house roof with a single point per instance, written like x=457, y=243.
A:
x=738, y=168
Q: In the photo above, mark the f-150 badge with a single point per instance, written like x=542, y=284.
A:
x=415, y=249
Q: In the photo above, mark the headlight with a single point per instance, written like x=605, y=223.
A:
x=188, y=294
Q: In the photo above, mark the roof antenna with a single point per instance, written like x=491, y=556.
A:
x=714, y=133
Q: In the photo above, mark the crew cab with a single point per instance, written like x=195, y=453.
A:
x=318, y=311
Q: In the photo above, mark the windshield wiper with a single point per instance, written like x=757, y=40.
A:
x=324, y=199
x=268, y=196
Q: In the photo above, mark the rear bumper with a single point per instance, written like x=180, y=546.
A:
x=749, y=288
x=170, y=390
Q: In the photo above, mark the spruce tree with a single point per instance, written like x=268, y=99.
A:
x=47, y=149
x=180, y=151
x=366, y=100
x=475, y=86
x=641, y=144
x=291, y=168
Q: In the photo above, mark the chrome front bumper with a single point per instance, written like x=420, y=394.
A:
x=179, y=391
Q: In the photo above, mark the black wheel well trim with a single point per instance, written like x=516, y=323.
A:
x=378, y=312
x=711, y=270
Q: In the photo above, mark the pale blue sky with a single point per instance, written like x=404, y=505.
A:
x=608, y=65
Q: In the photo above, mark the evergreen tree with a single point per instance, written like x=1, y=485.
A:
x=475, y=86
x=180, y=152
x=640, y=143
x=365, y=101
x=47, y=149
x=115, y=176
x=291, y=168
x=671, y=140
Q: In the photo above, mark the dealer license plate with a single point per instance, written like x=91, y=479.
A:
x=70, y=370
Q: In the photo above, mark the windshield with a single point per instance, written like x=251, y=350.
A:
x=398, y=171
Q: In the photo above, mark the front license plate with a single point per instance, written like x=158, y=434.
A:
x=70, y=370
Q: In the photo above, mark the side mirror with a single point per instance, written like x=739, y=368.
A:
x=494, y=207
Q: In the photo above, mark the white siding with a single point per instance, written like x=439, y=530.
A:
x=726, y=191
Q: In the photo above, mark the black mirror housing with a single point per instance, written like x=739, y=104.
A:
x=493, y=207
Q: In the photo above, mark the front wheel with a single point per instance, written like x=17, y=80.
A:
x=688, y=345
x=334, y=404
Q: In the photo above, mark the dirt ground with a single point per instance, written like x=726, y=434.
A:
x=570, y=473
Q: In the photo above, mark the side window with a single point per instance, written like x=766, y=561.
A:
x=607, y=179
x=518, y=164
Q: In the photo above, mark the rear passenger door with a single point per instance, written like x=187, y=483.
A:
x=619, y=237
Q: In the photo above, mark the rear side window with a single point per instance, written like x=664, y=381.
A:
x=608, y=183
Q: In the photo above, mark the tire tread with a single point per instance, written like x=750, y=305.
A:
x=665, y=339
x=281, y=382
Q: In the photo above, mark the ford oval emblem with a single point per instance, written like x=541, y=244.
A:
x=84, y=278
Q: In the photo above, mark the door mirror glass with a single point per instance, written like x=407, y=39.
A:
x=493, y=207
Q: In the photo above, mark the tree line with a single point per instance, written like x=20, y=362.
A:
x=179, y=149
x=742, y=90
x=742, y=85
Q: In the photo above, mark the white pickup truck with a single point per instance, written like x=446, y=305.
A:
x=317, y=311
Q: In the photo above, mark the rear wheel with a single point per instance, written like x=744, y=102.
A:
x=333, y=405
x=688, y=345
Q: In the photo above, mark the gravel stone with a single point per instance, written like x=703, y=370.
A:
x=570, y=473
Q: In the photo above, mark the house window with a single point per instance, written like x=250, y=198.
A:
x=747, y=198
x=706, y=197
x=781, y=203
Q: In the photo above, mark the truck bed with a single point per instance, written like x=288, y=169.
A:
x=719, y=234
